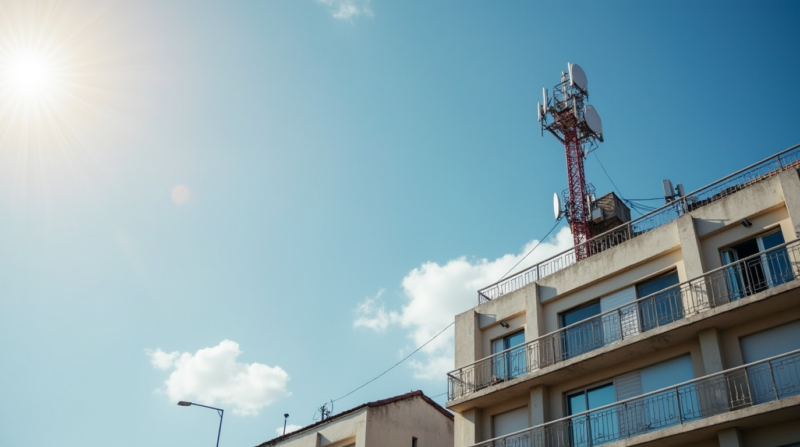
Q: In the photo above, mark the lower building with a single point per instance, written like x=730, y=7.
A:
x=408, y=420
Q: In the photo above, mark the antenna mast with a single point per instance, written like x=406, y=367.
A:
x=579, y=128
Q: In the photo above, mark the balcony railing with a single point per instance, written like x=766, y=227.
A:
x=732, y=282
x=790, y=158
x=769, y=380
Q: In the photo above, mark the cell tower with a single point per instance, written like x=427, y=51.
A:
x=579, y=127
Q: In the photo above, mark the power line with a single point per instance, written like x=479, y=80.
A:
x=448, y=326
x=638, y=207
x=393, y=366
x=531, y=250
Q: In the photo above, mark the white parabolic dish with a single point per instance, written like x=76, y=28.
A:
x=556, y=205
x=593, y=120
x=578, y=77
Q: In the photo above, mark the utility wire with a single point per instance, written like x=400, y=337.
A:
x=609, y=177
x=531, y=250
x=393, y=366
x=448, y=326
x=638, y=207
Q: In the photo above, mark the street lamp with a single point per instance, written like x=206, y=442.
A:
x=220, y=411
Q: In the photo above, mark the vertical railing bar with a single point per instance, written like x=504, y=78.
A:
x=774, y=384
x=678, y=406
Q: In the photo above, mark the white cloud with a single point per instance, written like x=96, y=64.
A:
x=212, y=376
x=347, y=9
x=163, y=360
x=435, y=293
x=372, y=314
x=289, y=428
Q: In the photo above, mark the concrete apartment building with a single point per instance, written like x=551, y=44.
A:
x=681, y=327
x=408, y=420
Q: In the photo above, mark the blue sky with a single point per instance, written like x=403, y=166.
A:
x=261, y=205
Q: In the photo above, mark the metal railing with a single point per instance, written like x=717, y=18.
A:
x=748, y=385
x=789, y=158
x=732, y=282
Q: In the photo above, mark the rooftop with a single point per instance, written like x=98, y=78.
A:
x=377, y=403
x=787, y=159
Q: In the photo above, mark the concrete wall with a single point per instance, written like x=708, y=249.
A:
x=395, y=424
x=774, y=435
x=341, y=432
x=389, y=425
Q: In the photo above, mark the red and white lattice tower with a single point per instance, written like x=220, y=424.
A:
x=578, y=126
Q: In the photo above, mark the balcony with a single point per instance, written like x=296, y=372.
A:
x=690, y=299
x=788, y=159
x=748, y=391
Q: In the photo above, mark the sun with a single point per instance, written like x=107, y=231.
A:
x=67, y=82
x=30, y=75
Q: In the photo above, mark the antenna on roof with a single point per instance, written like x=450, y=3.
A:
x=579, y=128
x=323, y=411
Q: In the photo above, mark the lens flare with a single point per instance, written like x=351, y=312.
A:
x=65, y=83
x=29, y=75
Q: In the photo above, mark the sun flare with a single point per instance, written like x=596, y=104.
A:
x=65, y=86
x=30, y=75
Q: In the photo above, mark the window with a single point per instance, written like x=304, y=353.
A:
x=779, y=377
x=509, y=364
x=583, y=337
x=596, y=427
x=759, y=272
x=661, y=308
x=413, y=442
x=636, y=416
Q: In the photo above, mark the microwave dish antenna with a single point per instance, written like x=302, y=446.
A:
x=593, y=121
x=556, y=206
x=577, y=78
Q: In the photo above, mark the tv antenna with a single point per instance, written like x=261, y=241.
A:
x=579, y=127
x=323, y=411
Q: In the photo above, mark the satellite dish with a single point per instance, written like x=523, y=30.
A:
x=593, y=120
x=556, y=205
x=577, y=77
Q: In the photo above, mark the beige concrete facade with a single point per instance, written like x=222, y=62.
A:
x=409, y=420
x=723, y=319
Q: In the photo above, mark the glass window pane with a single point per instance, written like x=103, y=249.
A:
x=515, y=339
x=574, y=316
x=662, y=308
x=772, y=240
x=576, y=403
x=654, y=285
x=600, y=396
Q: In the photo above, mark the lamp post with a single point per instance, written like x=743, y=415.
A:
x=285, y=417
x=220, y=411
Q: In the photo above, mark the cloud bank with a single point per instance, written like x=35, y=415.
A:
x=212, y=376
x=347, y=9
x=434, y=294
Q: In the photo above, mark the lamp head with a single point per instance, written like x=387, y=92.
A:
x=183, y=403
